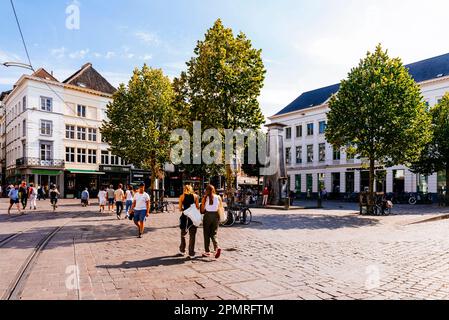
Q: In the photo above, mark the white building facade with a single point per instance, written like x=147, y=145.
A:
x=313, y=164
x=53, y=133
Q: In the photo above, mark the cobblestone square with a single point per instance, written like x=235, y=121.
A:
x=312, y=254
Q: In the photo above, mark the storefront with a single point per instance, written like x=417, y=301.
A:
x=139, y=176
x=115, y=175
x=75, y=181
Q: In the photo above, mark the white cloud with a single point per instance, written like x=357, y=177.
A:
x=110, y=55
x=7, y=56
x=58, y=52
x=147, y=57
x=148, y=37
x=97, y=55
x=80, y=54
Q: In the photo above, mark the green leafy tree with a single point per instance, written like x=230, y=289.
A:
x=140, y=119
x=379, y=112
x=435, y=157
x=223, y=82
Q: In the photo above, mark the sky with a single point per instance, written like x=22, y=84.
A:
x=306, y=44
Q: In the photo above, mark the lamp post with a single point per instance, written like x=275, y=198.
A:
x=17, y=65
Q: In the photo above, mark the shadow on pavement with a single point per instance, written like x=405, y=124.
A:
x=153, y=262
x=309, y=222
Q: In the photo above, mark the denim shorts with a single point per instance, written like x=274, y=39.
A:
x=140, y=215
x=111, y=200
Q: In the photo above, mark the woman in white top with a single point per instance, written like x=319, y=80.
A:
x=129, y=195
x=102, y=199
x=32, y=196
x=209, y=207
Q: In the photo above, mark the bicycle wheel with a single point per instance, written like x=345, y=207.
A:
x=412, y=201
x=230, y=220
x=246, y=217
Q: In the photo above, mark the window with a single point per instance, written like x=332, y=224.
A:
x=104, y=157
x=81, y=111
x=288, y=155
x=298, y=131
x=46, y=104
x=310, y=153
x=322, y=152
x=70, y=132
x=46, y=128
x=46, y=151
x=69, y=154
x=298, y=183
x=309, y=183
x=310, y=129
x=24, y=128
x=81, y=156
x=92, y=134
x=336, y=154
x=24, y=103
x=288, y=133
x=349, y=153
x=81, y=133
x=298, y=155
x=92, y=156
x=323, y=127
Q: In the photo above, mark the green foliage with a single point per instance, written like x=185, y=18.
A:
x=222, y=84
x=140, y=120
x=435, y=156
x=380, y=113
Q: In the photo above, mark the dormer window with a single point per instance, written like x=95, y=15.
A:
x=81, y=111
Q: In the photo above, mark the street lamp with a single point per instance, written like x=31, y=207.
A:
x=18, y=65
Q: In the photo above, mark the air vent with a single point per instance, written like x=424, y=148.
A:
x=82, y=85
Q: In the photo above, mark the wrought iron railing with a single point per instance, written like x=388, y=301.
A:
x=37, y=162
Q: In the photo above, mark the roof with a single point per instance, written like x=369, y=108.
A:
x=4, y=94
x=88, y=77
x=43, y=74
x=421, y=71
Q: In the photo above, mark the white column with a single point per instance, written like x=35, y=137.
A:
x=357, y=181
x=433, y=183
x=389, y=180
x=343, y=182
x=328, y=181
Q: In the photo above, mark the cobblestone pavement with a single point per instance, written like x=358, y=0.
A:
x=306, y=254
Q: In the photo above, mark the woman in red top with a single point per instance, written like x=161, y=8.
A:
x=265, y=194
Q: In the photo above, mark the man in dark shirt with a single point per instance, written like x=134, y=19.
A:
x=23, y=194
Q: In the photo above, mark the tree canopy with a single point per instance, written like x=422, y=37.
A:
x=380, y=113
x=140, y=119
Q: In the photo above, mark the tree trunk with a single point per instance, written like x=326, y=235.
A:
x=372, y=164
x=229, y=184
x=446, y=198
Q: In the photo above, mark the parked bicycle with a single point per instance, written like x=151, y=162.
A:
x=239, y=213
x=164, y=206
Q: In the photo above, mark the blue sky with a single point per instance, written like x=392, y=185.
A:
x=306, y=44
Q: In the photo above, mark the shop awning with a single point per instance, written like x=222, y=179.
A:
x=46, y=172
x=86, y=172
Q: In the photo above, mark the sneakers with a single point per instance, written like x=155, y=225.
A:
x=118, y=217
x=218, y=253
x=181, y=254
x=206, y=254
x=190, y=257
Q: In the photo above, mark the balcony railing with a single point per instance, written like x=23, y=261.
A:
x=37, y=162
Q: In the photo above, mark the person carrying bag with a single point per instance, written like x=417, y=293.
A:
x=188, y=202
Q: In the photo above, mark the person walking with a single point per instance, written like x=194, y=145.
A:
x=110, y=192
x=23, y=194
x=14, y=199
x=119, y=196
x=141, y=208
x=54, y=195
x=265, y=193
x=186, y=200
x=32, y=196
x=129, y=199
x=209, y=207
x=102, y=199
x=85, y=196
